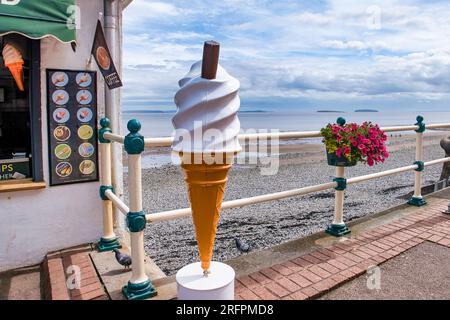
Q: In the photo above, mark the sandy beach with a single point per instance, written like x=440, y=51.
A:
x=172, y=244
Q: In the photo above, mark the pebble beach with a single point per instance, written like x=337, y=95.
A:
x=172, y=244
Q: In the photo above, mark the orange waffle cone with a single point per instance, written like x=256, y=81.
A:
x=16, y=70
x=206, y=184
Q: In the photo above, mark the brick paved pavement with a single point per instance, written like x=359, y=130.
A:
x=319, y=271
x=57, y=272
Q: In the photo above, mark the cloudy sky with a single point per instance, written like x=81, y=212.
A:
x=295, y=55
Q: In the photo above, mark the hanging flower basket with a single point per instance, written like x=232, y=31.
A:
x=348, y=144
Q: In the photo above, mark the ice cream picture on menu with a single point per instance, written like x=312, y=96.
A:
x=206, y=140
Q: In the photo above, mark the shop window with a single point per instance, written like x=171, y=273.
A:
x=20, y=133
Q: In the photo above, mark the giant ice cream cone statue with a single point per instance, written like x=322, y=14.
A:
x=207, y=127
x=14, y=62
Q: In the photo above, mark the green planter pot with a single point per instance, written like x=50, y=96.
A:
x=334, y=160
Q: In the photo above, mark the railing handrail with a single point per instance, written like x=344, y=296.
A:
x=285, y=135
x=117, y=202
x=180, y=213
x=237, y=203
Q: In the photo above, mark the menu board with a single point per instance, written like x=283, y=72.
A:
x=72, y=123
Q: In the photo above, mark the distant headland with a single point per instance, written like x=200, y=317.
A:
x=366, y=110
x=330, y=111
x=339, y=111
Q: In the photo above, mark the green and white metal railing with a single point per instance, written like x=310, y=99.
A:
x=140, y=286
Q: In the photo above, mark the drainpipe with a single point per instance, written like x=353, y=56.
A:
x=112, y=9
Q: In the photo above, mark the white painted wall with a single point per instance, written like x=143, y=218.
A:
x=33, y=223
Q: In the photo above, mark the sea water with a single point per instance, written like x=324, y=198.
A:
x=160, y=125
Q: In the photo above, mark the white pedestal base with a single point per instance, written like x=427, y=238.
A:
x=218, y=285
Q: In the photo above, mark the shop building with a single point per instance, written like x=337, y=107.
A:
x=49, y=188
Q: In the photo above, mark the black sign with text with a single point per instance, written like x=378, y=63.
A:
x=72, y=126
x=102, y=56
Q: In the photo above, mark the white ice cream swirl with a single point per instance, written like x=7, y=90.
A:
x=206, y=120
x=11, y=55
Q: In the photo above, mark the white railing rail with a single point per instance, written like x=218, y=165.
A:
x=179, y=213
x=139, y=285
x=117, y=202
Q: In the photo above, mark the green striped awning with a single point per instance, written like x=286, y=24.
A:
x=37, y=19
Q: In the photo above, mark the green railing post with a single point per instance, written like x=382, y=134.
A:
x=417, y=199
x=338, y=227
x=109, y=240
x=139, y=287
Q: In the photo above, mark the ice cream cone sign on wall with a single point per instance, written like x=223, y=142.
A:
x=14, y=62
x=206, y=131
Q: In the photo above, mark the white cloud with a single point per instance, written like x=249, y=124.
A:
x=293, y=49
x=140, y=12
x=144, y=9
x=312, y=18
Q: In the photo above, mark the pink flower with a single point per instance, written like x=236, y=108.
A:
x=338, y=152
x=346, y=150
